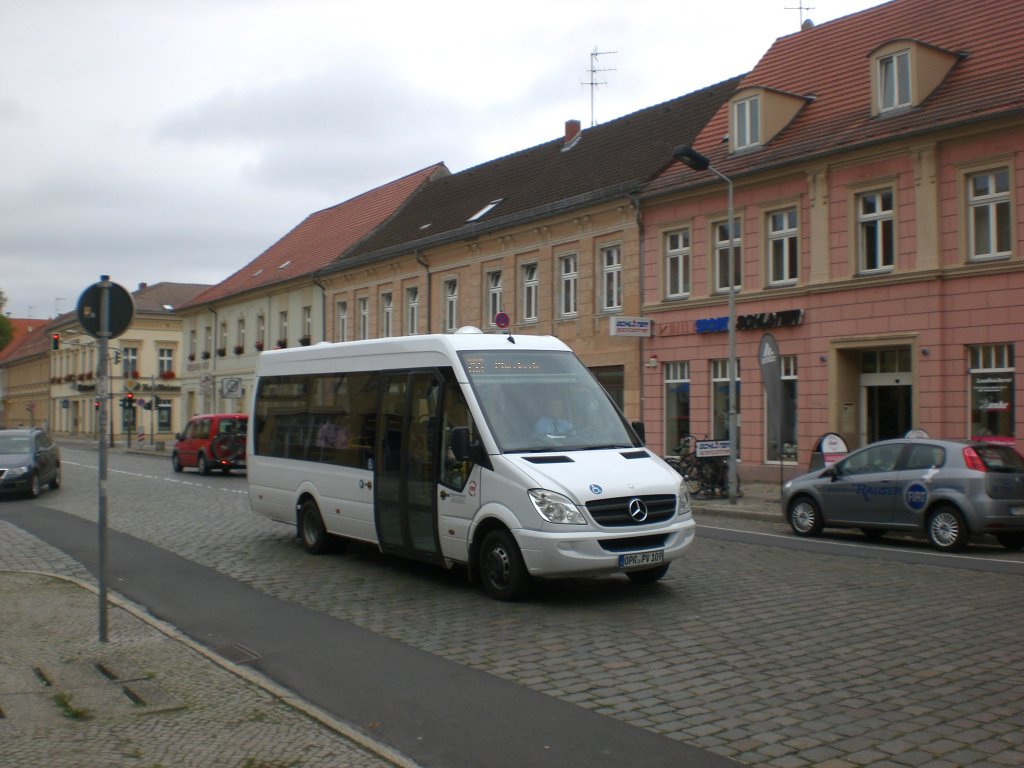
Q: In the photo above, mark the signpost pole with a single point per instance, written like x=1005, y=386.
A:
x=104, y=340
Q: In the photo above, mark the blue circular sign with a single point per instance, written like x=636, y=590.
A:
x=596, y=489
x=916, y=496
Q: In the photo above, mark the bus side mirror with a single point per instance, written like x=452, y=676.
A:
x=460, y=444
x=641, y=431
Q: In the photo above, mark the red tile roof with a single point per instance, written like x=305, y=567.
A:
x=831, y=64
x=321, y=237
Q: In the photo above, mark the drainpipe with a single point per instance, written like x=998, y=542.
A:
x=640, y=254
x=323, y=309
x=213, y=356
x=426, y=267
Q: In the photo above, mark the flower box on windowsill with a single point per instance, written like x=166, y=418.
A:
x=259, y=346
x=167, y=375
x=191, y=355
x=239, y=349
x=304, y=341
x=206, y=355
x=281, y=344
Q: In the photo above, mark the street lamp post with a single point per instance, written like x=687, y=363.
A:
x=691, y=158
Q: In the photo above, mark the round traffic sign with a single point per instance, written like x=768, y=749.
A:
x=501, y=320
x=91, y=306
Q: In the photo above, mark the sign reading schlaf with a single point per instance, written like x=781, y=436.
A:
x=751, y=322
x=629, y=326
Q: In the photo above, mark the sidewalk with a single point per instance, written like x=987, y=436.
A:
x=147, y=697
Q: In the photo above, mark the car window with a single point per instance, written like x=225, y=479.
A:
x=203, y=429
x=925, y=457
x=874, y=458
x=1000, y=458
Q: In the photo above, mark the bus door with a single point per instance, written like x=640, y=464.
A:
x=407, y=446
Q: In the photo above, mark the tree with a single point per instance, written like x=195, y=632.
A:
x=6, y=331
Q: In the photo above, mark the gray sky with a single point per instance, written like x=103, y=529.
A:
x=177, y=140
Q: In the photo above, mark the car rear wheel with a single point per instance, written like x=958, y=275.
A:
x=804, y=516
x=55, y=481
x=502, y=569
x=202, y=464
x=1011, y=541
x=34, y=486
x=947, y=530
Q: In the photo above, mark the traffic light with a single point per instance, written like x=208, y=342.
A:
x=146, y=404
x=96, y=404
x=129, y=400
x=55, y=341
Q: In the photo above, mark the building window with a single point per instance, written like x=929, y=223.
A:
x=783, y=247
x=988, y=199
x=720, y=405
x=261, y=330
x=222, y=342
x=130, y=362
x=894, y=81
x=307, y=323
x=875, y=231
x=991, y=370
x=192, y=344
x=746, y=119
x=163, y=414
x=611, y=278
x=677, y=404
x=493, y=295
x=240, y=341
x=341, y=332
x=282, y=328
x=783, y=415
x=613, y=379
x=531, y=291
x=677, y=264
x=724, y=245
x=451, y=305
x=364, y=318
x=412, y=310
x=207, y=341
x=165, y=360
x=568, y=270
x=386, y=314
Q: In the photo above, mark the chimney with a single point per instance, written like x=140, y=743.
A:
x=143, y=286
x=572, y=130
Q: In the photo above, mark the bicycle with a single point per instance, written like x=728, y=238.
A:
x=704, y=475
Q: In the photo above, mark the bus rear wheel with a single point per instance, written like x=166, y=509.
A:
x=311, y=528
x=502, y=569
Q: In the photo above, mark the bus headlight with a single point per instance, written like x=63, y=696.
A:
x=685, y=508
x=556, y=508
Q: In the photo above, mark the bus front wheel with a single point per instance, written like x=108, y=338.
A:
x=311, y=528
x=502, y=570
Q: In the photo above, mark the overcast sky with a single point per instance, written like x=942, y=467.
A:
x=177, y=140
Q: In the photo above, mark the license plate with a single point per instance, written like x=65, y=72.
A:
x=641, y=559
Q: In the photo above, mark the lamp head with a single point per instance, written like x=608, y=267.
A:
x=691, y=158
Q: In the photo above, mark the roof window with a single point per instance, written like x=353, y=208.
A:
x=904, y=73
x=485, y=210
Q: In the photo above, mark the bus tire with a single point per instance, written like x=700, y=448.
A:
x=311, y=528
x=501, y=567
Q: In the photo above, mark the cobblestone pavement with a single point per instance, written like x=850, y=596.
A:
x=775, y=657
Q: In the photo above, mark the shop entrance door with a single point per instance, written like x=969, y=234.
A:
x=888, y=409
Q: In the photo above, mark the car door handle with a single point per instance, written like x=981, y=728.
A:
x=444, y=494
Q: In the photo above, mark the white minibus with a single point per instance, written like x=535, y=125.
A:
x=499, y=452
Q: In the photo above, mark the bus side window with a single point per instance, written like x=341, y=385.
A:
x=454, y=473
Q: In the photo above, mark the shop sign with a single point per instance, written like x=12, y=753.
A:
x=761, y=321
x=629, y=326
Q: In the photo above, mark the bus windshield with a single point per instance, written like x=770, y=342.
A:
x=544, y=401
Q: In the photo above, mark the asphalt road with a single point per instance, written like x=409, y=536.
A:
x=757, y=648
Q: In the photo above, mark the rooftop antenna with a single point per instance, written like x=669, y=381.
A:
x=801, y=7
x=594, y=82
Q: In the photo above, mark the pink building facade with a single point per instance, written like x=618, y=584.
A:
x=889, y=268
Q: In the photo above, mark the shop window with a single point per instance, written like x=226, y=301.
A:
x=677, y=404
x=787, y=413
x=991, y=371
x=720, y=404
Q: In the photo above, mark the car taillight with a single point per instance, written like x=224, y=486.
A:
x=973, y=460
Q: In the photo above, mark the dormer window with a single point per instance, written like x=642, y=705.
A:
x=894, y=81
x=746, y=122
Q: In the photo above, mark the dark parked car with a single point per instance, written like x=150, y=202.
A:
x=29, y=459
x=946, y=489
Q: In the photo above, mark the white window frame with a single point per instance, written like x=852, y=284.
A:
x=746, y=122
x=531, y=291
x=240, y=333
x=493, y=296
x=677, y=264
x=894, y=81
x=282, y=326
x=723, y=244
x=307, y=322
x=165, y=360
x=261, y=329
x=387, y=313
x=876, y=227
x=451, y=304
x=412, y=310
x=363, y=307
x=783, y=246
x=568, y=283
x=341, y=332
x=988, y=213
x=611, y=278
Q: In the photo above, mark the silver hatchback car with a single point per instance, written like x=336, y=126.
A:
x=946, y=489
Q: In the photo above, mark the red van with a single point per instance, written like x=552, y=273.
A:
x=212, y=441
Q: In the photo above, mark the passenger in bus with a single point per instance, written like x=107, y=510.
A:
x=332, y=434
x=555, y=421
